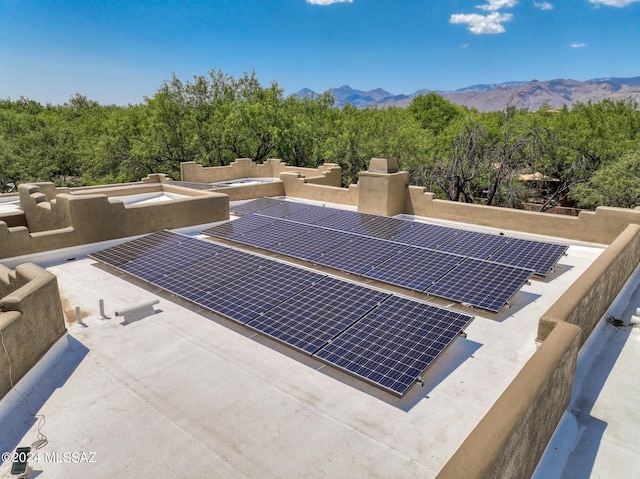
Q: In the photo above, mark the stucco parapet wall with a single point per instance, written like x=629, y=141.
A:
x=297, y=186
x=90, y=218
x=588, y=298
x=600, y=226
x=511, y=437
x=31, y=319
x=41, y=207
x=247, y=168
x=96, y=217
x=250, y=191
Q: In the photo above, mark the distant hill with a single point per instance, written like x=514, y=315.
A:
x=490, y=97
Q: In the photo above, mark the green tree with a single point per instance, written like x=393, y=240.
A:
x=616, y=184
x=434, y=112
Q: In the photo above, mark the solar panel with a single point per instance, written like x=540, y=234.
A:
x=203, y=277
x=249, y=295
x=313, y=243
x=313, y=214
x=414, y=268
x=359, y=255
x=424, y=235
x=345, y=221
x=130, y=250
x=392, y=345
x=283, y=209
x=311, y=318
x=472, y=244
x=272, y=234
x=234, y=230
x=536, y=255
x=154, y=255
x=155, y=264
x=482, y=284
x=382, y=227
x=254, y=205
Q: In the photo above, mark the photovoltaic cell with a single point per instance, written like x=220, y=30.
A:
x=472, y=244
x=313, y=243
x=234, y=230
x=392, y=345
x=382, y=227
x=313, y=214
x=203, y=277
x=345, y=221
x=359, y=255
x=254, y=205
x=414, y=268
x=139, y=247
x=308, y=320
x=481, y=283
x=536, y=255
x=272, y=234
x=154, y=255
x=424, y=235
x=170, y=258
x=283, y=209
x=246, y=297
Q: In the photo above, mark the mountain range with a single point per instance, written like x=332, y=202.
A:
x=491, y=97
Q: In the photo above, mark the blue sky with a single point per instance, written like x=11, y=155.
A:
x=120, y=51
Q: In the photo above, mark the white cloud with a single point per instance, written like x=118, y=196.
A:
x=494, y=5
x=614, y=3
x=578, y=45
x=543, y=5
x=327, y=2
x=482, y=24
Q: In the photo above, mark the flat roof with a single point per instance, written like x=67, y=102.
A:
x=184, y=392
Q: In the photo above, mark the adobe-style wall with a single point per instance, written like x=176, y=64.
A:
x=31, y=319
x=602, y=226
x=250, y=191
x=246, y=168
x=588, y=298
x=297, y=186
x=59, y=220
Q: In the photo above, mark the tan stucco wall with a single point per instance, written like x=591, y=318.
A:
x=246, y=192
x=589, y=297
x=297, y=186
x=601, y=226
x=14, y=218
x=246, y=168
x=73, y=218
x=31, y=319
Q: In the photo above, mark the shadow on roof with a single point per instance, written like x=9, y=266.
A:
x=16, y=417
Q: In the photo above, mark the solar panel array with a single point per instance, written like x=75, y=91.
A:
x=393, y=262
x=308, y=311
x=405, y=253
x=538, y=256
